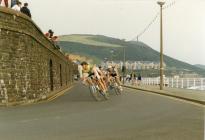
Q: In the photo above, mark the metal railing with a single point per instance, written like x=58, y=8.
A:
x=186, y=83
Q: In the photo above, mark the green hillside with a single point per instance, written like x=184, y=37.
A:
x=88, y=40
x=100, y=47
x=200, y=66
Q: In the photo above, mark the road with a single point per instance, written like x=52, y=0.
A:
x=135, y=115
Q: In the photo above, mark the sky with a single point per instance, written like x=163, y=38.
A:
x=184, y=22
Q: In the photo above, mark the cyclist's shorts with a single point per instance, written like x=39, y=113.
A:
x=113, y=74
x=91, y=75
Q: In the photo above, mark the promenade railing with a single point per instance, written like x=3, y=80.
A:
x=186, y=83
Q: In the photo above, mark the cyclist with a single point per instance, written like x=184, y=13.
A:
x=112, y=72
x=102, y=74
x=87, y=73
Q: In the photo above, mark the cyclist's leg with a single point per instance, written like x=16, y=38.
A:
x=105, y=78
x=98, y=78
x=89, y=81
x=93, y=89
x=117, y=79
x=108, y=80
x=104, y=83
x=102, y=89
x=101, y=85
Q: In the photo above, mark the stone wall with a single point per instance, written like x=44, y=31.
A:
x=31, y=67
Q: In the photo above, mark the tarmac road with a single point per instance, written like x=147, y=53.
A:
x=135, y=115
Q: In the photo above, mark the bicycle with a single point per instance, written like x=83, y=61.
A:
x=96, y=90
x=115, y=86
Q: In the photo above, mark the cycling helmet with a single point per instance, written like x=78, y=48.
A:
x=84, y=63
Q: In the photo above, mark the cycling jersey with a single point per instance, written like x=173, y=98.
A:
x=91, y=71
x=112, y=72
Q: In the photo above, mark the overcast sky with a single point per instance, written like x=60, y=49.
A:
x=184, y=22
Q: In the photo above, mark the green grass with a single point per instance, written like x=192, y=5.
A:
x=87, y=40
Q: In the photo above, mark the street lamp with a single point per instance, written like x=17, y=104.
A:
x=123, y=67
x=161, y=45
x=111, y=56
x=105, y=62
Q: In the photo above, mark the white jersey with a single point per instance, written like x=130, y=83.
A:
x=16, y=7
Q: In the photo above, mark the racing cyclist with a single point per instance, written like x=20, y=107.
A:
x=87, y=72
x=112, y=72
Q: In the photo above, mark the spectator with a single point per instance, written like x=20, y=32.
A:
x=25, y=10
x=133, y=78
x=139, y=79
x=127, y=78
x=13, y=2
x=54, y=38
x=5, y=3
x=17, y=7
x=49, y=34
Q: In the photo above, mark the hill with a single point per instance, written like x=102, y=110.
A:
x=200, y=66
x=100, y=47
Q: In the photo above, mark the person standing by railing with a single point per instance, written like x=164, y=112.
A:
x=8, y=3
x=13, y=2
x=17, y=7
x=25, y=10
x=139, y=79
x=5, y=3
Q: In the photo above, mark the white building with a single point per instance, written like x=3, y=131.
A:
x=134, y=65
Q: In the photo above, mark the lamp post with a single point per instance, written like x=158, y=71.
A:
x=123, y=67
x=105, y=62
x=161, y=45
x=111, y=56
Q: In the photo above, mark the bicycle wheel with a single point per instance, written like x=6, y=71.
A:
x=104, y=94
x=101, y=92
x=94, y=93
x=117, y=89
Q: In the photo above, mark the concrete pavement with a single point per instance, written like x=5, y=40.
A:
x=195, y=96
x=135, y=115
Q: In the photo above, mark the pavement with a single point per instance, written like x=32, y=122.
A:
x=134, y=115
x=195, y=96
